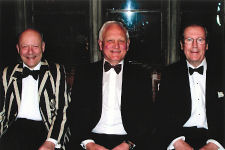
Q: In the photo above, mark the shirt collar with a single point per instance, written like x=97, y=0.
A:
x=37, y=67
x=203, y=63
x=121, y=62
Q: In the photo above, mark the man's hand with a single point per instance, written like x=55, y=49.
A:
x=122, y=146
x=93, y=146
x=47, y=146
x=182, y=145
x=210, y=146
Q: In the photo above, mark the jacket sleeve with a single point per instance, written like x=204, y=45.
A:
x=2, y=102
x=59, y=125
x=2, y=110
x=166, y=128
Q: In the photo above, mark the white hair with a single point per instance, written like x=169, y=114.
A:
x=101, y=31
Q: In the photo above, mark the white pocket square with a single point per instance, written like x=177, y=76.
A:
x=220, y=94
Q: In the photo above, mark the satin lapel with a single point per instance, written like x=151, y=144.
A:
x=98, y=78
x=208, y=87
x=125, y=80
x=43, y=77
x=186, y=90
x=95, y=71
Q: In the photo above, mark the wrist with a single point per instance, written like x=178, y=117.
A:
x=90, y=145
x=178, y=143
x=85, y=142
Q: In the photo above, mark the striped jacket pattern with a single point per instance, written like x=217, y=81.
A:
x=53, y=99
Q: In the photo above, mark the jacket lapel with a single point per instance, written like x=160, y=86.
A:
x=99, y=78
x=184, y=78
x=96, y=70
x=124, y=85
x=209, y=89
x=43, y=76
x=16, y=81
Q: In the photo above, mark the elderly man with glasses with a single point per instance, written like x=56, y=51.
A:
x=189, y=108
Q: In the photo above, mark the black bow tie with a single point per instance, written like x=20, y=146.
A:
x=108, y=66
x=199, y=70
x=27, y=72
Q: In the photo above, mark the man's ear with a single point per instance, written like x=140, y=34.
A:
x=100, y=45
x=181, y=45
x=128, y=44
x=43, y=46
x=18, y=49
x=206, y=47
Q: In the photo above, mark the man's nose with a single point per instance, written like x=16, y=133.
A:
x=195, y=43
x=30, y=49
x=117, y=44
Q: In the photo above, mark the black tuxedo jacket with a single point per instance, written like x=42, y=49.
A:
x=53, y=98
x=136, y=101
x=173, y=103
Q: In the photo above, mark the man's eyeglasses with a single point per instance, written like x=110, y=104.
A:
x=191, y=40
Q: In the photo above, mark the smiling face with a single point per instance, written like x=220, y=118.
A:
x=114, y=43
x=30, y=47
x=195, y=50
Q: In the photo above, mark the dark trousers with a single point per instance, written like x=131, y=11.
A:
x=196, y=137
x=108, y=140
x=24, y=134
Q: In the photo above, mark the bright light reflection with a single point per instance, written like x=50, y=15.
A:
x=128, y=13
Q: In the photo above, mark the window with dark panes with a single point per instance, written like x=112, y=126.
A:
x=144, y=22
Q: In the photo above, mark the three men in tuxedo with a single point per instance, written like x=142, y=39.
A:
x=189, y=109
x=34, y=99
x=112, y=97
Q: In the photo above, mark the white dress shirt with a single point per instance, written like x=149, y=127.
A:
x=111, y=120
x=197, y=86
x=29, y=106
x=198, y=112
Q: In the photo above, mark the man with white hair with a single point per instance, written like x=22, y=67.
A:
x=114, y=97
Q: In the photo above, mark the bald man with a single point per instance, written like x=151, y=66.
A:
x=34, y=99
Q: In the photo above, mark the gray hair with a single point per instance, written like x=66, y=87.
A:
x=101, y=31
